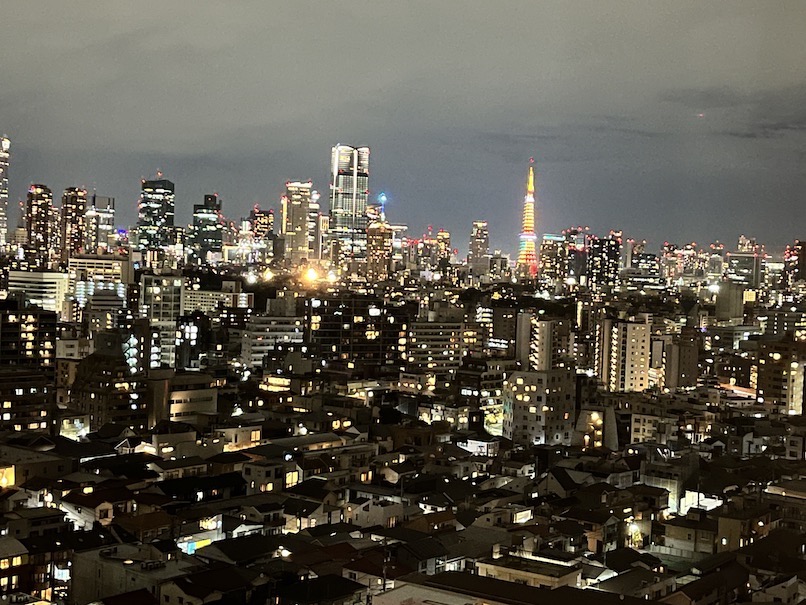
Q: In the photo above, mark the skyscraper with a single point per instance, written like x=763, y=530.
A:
x=349, y=189
x=527, y=253
x=262, y=222
x=552, y=260
x=155, y=224
x=73, y=226
x=208, y=228
x=296, y=208
x=38, y=224
x=100, y=223
x=604, y=255
x=478, y=257
x=5, y=153
x=315, y=226
x=379, y=248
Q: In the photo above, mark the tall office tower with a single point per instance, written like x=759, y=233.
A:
x=747, y=244
x=39, y=224
x=349, y=190
x=100, y=223
x=552, y=260
x=623, y=355
x=443, y=250
x=207, y=239
x=632, y=250
x=73, y=226
x=296, y=214
x=262, y=222
x=604, y=257
x=5, y=154
x=478, y=257
x=716, y=261
x=794, y=263
x=155, y=223
x=527, y=253
x=577, y=240
x=314, y=227
x=746, y=264
x=379, y=248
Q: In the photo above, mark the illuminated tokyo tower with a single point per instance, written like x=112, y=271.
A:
x=527, y=253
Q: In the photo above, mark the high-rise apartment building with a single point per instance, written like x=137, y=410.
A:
x=73, y=225
x=39, y=224
x=29, y=400
x=27, y=336
x=5, y=155
x=435, y=346
x=542, y=344
x=155, y=223
x=355, y=328
x=349, y=190
x=538, y=407
x=623, y=355
x=161, y=302
x=781, y=366
x=107, y=389
x=297, y=229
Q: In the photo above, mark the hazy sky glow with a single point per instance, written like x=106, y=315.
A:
x=677, y=120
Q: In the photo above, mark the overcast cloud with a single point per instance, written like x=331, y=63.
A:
x=671, y=120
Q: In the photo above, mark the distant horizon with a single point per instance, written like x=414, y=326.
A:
x=680, y=123
x=184, y=216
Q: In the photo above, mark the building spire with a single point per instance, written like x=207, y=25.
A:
x=530, y=183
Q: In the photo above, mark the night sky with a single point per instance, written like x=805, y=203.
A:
x=672, y=120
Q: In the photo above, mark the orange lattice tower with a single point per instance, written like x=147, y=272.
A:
x=527, y=251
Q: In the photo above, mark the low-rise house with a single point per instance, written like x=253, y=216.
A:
x=694, y=533
x=375, y=571
x=116, y=569
x=531, y=572
x=13, y=562
x=325, y=590
x=89, y=506
x=725, y=585
x=203, y=488
x=222, y=584
x=191, y=466
x=640, y=583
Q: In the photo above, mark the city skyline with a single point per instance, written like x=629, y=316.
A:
x=711, y=129
x=548, y=345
